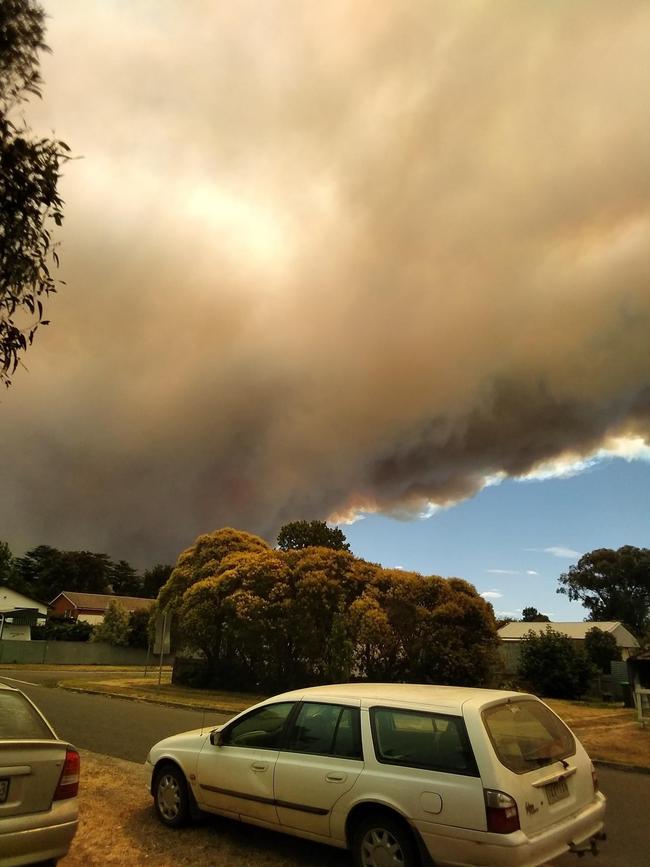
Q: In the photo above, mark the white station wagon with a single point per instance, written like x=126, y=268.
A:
x=401, y=774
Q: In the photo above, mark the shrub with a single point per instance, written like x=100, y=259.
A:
x=554, y=666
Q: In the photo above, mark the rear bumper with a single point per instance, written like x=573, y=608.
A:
x=519, y=850
x=38, y=836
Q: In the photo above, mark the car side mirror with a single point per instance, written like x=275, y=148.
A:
x=216, y=739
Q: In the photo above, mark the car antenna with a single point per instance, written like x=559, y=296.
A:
x=203, y=722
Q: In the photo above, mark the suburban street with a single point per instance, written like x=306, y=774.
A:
x=126, y=730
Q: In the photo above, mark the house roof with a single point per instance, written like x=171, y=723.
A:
x=516, y=631
x=4, y=590
x=101, y=601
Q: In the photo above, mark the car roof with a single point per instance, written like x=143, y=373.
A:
x=417, y=694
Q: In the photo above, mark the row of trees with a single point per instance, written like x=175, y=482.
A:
x=43, y=572
x=266, y=618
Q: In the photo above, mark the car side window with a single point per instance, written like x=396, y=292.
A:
x=262, y=728
x=326, y=730
x=422, y=740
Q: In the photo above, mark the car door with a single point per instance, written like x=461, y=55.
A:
x=321, y=761
x=235, y=775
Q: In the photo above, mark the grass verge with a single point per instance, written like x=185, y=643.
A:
x=147, y=689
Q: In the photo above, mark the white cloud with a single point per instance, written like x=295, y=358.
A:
x=513, y=614
x=491, y=594
x=502, y=571
x=563, y=553
x=531, y=572
x=558, y=551
x=565, y=467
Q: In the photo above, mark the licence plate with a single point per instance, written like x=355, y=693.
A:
x=556, y=791
x=4, y=790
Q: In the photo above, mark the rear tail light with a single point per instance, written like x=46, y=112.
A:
x=69, y=779
x=501, y=811
x=594, y=779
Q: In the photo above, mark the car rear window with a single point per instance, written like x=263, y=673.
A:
x=526, y=735
x=19, y=720
x=419, y=739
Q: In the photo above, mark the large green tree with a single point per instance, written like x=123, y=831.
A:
x=271, y=619
x=612, y=585
x=30, y=168
x=311, y=534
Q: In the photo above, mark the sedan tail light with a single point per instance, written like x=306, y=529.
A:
x=69, y=780
x=501, y=811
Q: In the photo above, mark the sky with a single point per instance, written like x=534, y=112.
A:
x=379, y=263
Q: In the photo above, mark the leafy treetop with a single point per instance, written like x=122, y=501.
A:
x=311, y=534
x=532, y=615
x=612, y=585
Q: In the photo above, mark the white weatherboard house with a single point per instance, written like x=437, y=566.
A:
x=512, y=634
x=17, y=613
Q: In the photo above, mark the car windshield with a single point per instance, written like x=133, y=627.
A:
x=526, y=735
x=19, y=720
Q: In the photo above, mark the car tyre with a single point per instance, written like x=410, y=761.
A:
x=171, y=797
x=380, y=840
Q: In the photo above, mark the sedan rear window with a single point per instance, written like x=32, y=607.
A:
x=526, y=735
x=19, y=720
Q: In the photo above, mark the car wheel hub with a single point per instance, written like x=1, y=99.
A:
x=380, y=849
x=168, y=797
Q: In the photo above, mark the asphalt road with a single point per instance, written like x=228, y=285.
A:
x=112, y=726
x=127, y=729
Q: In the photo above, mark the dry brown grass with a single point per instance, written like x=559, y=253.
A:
x=609, y=734
x=118, y=827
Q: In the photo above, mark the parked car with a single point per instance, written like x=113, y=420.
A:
x=39, y=780
x=400, y=774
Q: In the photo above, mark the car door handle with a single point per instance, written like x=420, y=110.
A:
x=336, y=778
x=259, y=766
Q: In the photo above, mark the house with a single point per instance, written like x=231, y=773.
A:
x=91, y=607
x=18, y=613
x=512, y=634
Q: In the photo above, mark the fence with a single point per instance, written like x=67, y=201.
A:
x=72, y=653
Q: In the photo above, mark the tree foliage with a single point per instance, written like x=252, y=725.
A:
x=62, y=629
x=554, y=665
x=115, y=627
x=124, y=580
x=311, y=534
x=612, y=585
x=272, y=619
x=29, y=174
x=153, y=579
x=532, y=615
x=601, y=649
x=44, y=572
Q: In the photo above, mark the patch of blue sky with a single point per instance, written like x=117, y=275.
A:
x=516, y=537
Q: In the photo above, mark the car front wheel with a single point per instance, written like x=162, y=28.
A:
x=381, y=841
x=170, y=796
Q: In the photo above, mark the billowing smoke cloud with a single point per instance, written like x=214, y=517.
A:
x=330, y=257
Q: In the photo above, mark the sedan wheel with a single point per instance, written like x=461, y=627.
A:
x=383, y=842
x=171, y=796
